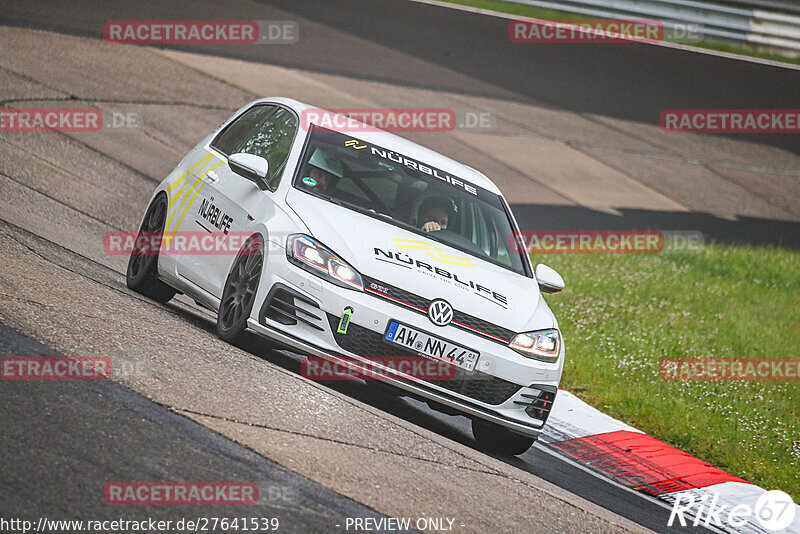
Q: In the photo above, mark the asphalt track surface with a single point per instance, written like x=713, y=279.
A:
x=636, y=86
x=411, y=44
x=92, y=432
x=618, y=80
x=83, y=434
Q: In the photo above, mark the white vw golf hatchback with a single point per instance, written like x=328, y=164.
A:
x=359, y=249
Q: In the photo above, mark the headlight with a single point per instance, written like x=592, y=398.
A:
x=313, y=256
x=540, y=345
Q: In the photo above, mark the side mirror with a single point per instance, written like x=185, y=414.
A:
x=250, y=166
x=549, y=280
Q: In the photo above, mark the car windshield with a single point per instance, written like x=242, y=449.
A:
x=410, y=194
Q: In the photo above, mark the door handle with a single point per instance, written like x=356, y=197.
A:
x=212, y=177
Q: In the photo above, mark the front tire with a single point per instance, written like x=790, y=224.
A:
x=239, y=291
x=142, y=273
x=498, y=439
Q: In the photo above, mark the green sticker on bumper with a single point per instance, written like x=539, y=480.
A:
x=344, y=322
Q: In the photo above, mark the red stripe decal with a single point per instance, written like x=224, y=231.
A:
x=384, y=295
x=642, y=462
x=481, y=332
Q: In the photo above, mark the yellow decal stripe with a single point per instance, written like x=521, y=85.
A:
x=182, y=197
x=178, y=224
x=441, y=258
x=180, y=193
x=456, y=260
x=197, y=181
x=176, y=183
x=202, y=160
x=191, y=201
x=189, y=176
x=412, y=244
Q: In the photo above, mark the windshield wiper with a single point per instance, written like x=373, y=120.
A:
x=349, y=205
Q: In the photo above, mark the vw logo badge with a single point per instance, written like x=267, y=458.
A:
x=440, y=312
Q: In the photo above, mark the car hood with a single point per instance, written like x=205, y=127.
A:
x=411, y=262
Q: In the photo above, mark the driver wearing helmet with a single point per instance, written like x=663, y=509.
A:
x=435, y=213
x=325, y=170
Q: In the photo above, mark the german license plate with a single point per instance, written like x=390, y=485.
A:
x=431, y=346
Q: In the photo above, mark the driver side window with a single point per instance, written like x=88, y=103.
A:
x=231, y=138
x=263, y=130
x=272, y=141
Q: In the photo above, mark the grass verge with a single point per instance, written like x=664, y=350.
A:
x=550, y=14
x=622, y=314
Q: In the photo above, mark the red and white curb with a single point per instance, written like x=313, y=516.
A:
x=643, y=463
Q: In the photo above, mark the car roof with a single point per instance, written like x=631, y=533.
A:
x=402, y=146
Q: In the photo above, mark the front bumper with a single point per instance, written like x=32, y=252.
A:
x=505, y=388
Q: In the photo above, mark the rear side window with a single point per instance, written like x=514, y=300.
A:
x=240, y=129
x=272, y=140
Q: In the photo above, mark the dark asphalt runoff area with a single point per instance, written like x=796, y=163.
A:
x=62, y=441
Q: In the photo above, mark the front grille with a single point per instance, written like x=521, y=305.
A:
x=411, y=300
x=461, y=320
x=281, y=306
x=492, y=331
x=475, y=385
x=539, y=401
